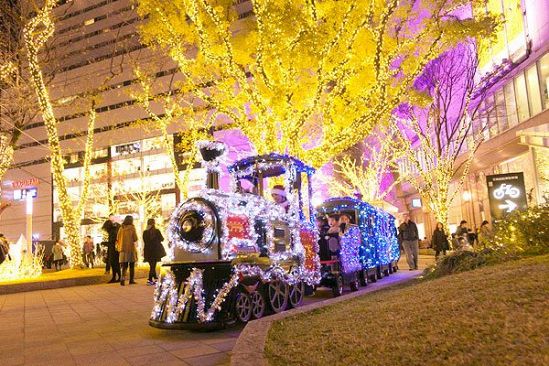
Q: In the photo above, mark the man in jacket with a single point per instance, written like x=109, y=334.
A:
x=408, y=237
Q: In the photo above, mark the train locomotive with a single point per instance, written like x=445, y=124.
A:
x=365, y=251
x=235, y=257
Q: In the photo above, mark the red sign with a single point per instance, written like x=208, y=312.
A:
x=24, y=183
x=238, y=226
x=308, y=242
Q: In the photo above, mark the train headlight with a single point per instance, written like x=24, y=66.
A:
x=193, y=225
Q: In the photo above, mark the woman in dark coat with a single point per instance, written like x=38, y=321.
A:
x=111, y=227
x=153, y=250
x=440, y=240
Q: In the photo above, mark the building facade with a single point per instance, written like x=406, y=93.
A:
x=515, y=73
x=98, y=47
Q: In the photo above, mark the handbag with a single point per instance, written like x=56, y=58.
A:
x=119, y=240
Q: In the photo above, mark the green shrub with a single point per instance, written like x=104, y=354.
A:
x=523, y=232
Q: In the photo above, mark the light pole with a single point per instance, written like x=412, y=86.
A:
x=29, y=208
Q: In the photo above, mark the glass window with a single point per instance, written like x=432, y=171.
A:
x=544, y=79
x=500, y=110
x=167, y=202
x=492, y=116
x=522, y=98
x=534, y=96
x=510, y=104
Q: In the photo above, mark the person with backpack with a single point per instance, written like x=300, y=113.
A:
x=153, y=250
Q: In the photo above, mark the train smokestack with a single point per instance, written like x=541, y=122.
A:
x=212, y=153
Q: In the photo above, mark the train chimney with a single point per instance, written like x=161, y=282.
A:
x=212, y=152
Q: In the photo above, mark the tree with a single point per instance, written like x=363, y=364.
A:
x=374, y=174
x=441, y=139
x=36, y=34
x=18, y=106
x=175, y=108
x=297, y=67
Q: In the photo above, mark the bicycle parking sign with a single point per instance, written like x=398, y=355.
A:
x=506, y=193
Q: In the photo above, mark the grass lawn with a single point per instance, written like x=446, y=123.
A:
x=497, y=315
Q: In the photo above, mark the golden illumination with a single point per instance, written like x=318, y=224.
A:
x=306, y=78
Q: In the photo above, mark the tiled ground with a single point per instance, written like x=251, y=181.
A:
x=96, y=325
x=107, y=325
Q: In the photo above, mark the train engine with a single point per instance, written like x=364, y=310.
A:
x=237, y=256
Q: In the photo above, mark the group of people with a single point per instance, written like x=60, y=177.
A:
x=122, y=249
x=408, y=238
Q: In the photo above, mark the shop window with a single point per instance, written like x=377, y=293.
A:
x=522, y=98
x=534, y=95
x=510, y=104
x=167, y=202
x=156, y=162
x=126, y=149
x=544, y=79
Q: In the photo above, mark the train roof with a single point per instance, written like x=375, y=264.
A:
x=338, y=204
x=270, y=165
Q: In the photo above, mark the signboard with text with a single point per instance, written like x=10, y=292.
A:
x=506, y=193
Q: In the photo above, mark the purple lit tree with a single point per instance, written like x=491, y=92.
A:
x=442, y=136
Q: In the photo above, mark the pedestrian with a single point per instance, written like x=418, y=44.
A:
x=126, y=245
x=440, y=240
x=4, y=249
x=485, y=234
x=88, y=251
x=58, y=255
x=409, y=237
x=111, y=227
x=462, y=234
x=153, y=250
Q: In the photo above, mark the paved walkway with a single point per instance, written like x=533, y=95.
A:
x=105, y=325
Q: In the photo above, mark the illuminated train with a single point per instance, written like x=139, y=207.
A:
x=366, y=251
x=238, y=256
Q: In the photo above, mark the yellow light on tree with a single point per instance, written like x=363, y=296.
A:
x=308, y=78
x=36, y=34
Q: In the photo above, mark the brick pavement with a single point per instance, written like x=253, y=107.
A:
x=99, y=325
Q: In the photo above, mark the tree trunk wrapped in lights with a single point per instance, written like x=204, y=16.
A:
x=18, y=106
x=308, y=78
x=441, y=139
x=36, y=34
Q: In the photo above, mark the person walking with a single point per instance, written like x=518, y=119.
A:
x=111, y=227
x=88, y=251
x=485, y=234
x=126, y=245
x=440, y=240
x=408, y=237
x=57, y=252
x=153, y=250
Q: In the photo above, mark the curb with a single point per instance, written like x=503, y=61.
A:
x=14, y=288
x=250, y=345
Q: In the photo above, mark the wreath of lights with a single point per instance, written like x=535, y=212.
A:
x=174, y=231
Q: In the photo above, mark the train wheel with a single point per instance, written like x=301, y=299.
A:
x=297, y=292
x=243, y=307
x=337, y=290
x=258, y=304
x=278, y=295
